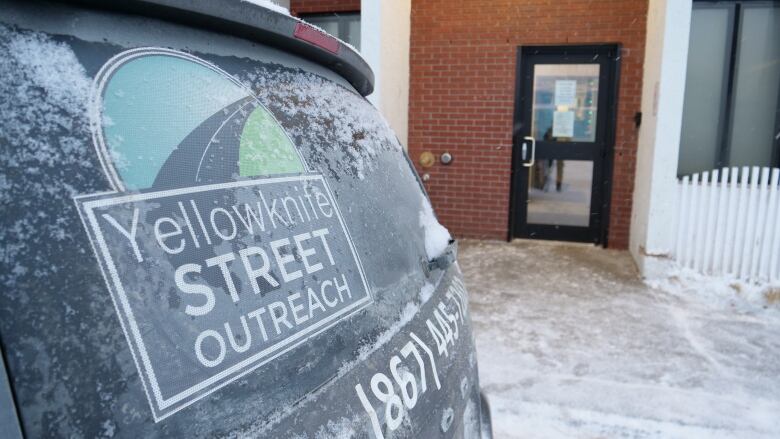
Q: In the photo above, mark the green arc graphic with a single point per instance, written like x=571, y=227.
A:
x=264, y=148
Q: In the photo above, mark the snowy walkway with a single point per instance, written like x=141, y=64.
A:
x=572, y=344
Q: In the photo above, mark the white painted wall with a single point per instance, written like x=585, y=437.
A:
x=654, y=216
x=384, y=43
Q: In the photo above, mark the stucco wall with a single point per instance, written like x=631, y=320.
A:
x=392, y=96
x=655, y=190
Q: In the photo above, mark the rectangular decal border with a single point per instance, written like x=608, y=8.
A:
x=164, y=407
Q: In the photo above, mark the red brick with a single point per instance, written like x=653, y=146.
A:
x=462, y=84
x=462, y=87
x=298, y=7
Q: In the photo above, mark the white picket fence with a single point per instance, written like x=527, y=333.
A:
x=729, y=223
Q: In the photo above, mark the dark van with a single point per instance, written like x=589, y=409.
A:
x=207, y=231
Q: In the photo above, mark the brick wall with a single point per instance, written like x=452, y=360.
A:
x=298, y=7
x=462, y=89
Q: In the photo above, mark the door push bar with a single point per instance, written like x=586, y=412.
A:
x=524, y=151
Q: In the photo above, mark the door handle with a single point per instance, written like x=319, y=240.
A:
x=533, y=151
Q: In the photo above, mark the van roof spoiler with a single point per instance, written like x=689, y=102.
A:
x=264, y=25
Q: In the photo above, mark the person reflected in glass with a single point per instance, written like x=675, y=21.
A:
x=542, y=172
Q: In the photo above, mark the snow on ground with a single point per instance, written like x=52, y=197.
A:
x=724, y=291
x=572, y=344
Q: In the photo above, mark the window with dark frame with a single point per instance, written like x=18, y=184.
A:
x=731, y=112
x=343, y=25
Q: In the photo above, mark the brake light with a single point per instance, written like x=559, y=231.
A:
x=312, y=35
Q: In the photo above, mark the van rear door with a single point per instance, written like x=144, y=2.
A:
x=206, y=234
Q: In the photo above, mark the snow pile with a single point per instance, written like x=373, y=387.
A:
x=268, y=4
x=720, y=291
x=437, y=237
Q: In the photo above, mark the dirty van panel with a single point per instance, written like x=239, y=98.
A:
x=203, y=236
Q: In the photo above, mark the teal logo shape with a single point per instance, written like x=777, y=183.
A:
x=163, y=119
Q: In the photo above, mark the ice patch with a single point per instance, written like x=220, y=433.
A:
x=437, y=237
x=406, y=316
x=344, y=428
x=45, y=137
x=46, y=157
x=52, y=67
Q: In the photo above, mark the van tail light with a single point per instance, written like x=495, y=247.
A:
x=312, y=35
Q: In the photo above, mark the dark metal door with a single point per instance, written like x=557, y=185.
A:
x=563, y=139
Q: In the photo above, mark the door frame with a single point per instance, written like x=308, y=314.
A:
x=516, y=216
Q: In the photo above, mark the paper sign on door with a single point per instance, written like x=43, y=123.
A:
x=566, y=93
x=563, y=124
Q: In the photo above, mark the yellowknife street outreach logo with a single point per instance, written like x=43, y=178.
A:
x=221, y=249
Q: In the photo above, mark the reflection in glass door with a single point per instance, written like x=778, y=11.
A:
x=564, y=120
x=559, y=192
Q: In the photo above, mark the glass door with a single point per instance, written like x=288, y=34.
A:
x=564, y=125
